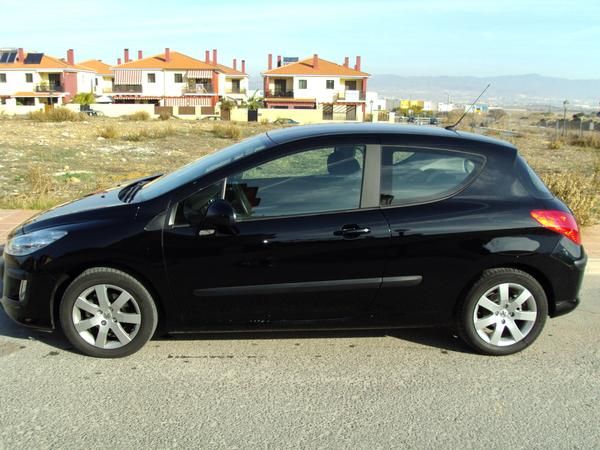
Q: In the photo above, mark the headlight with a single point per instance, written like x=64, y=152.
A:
x=29, y=243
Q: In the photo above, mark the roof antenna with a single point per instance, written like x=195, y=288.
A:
x=453, y=127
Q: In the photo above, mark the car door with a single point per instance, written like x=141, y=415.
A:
x=432, y=229
x=308, y=243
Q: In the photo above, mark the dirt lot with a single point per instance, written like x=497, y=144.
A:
x=46, y=163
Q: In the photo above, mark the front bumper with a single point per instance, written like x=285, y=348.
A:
x=25, y=296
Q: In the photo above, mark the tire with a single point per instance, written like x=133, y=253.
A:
x=107, y=313
x=503, y=313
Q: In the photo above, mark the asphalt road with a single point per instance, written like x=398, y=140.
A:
x=416, y=388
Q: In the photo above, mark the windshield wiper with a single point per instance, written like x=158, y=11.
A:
x=128, y=192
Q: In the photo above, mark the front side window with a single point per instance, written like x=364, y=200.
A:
x=329, y=84
x=152, y=78
x=411, y=175
x=302, y=84
x=28, y=78
x=312, y=181
x=178, y=78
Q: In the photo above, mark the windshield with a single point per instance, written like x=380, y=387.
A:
x=204, y=165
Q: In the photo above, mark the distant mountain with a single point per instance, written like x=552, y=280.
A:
x=505, y=90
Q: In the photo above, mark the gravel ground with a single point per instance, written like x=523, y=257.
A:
x=409, y=388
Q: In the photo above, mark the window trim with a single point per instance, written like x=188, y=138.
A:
x=447, y=194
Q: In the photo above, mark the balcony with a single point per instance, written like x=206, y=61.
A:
x=279, y=94
x=349, y=96
x=49, y=87
x=198, y=89
x=127, y=89
x=235, y=91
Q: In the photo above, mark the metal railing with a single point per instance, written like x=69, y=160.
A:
x=279, y=94
x=235, y=91
x=127, y=88
x=350, y=96
x=49, y=87
x=198, y=89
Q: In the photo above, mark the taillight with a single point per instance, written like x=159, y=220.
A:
x=559, y=221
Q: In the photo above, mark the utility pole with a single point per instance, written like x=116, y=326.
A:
x=565, y=103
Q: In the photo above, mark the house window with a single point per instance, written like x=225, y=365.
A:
x=96, y=82
x=28, y=78
x=152, y=78
x=178, y=78
x=329, y=84
x=2, y=78
x=302, y=84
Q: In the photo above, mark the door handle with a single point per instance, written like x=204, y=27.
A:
x=352, y=231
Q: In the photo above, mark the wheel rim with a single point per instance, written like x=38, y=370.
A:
x=505, y=314
x=106, y=316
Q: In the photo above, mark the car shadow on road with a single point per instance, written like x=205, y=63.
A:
x=441, y=338
x=13, y=330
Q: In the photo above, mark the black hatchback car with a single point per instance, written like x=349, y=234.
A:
x=327, y=226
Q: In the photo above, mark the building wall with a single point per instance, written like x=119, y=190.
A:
x=18, y=110
x=316, y=86
x=15, y=81
x=85, y=82
x=117, y=109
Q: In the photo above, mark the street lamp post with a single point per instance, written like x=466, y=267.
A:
x=565, y=103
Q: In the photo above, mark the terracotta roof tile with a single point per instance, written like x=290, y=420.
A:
x=97, y=66
x=178, y=61
x=305, y=67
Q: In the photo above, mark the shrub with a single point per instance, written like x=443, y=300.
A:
x=84, y=98
x=145, y=133
x=228, y=131
x=587, y=141
x=555, y=144
x=57, y=115
x=164, y=115
x=109, y=132
x=578, y=191
x=138, y=116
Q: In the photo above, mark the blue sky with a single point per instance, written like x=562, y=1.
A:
x=415, y=37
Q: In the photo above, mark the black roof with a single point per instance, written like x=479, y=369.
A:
x=290, y=134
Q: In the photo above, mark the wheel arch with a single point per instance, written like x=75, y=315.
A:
x=67, y=278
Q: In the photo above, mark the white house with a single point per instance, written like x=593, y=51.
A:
x=338, y=89
x=103, y=76
x=174, y=79
x=35, y=78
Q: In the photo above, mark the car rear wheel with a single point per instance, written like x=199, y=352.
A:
x=504, y=312
x=107, y=313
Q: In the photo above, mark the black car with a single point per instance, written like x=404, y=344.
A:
x=326, y=226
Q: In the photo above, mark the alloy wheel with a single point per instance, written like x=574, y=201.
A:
x=505, y=314
x=106, y=316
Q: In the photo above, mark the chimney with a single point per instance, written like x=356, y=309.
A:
x=234, y=64
x=315, y=61
x=270, y=65
x=126, y=55
x=243, y=66
x=21, y=55
x=119, y=62
x=71, y=56
x=167, y=54
x=278, y=60
x=214, y=61
x=346, y=61
x=140, y=54
x=357, y=65
x=207, y=56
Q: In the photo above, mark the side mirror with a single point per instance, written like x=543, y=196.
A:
x=220, y=215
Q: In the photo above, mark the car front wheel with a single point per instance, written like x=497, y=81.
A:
x=504, y=312
x=107, y=313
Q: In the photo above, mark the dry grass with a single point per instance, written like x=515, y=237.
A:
x=57, y=115
x=108, y=132
x=227, y=131
x=164, y=115
x=579, y=192
x=585, y=141
x=139, y=116
x=144, y=134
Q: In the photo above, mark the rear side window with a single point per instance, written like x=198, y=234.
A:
x=410, y=175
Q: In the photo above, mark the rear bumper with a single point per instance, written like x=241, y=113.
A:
x=575, y=276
